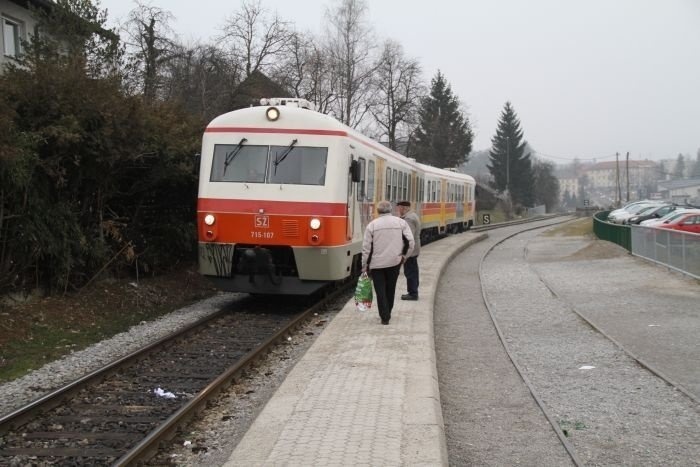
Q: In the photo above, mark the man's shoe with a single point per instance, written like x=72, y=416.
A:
x=385, y=321
x=408, y=296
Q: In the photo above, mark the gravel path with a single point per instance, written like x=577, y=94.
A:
x=490, y=415
x=615, y=411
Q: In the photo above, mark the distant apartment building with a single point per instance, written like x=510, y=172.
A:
x=568, y=185
x=610, y=175
x=18, y=26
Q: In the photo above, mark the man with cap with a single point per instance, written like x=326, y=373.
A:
x=410, y=267
x=387, y=243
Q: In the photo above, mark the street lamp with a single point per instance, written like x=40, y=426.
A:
x=507, y=163
x=508, y=200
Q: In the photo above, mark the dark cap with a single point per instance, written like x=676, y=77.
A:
x=404, y=203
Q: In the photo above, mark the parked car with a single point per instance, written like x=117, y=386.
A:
x=622, y=215
x=670, y=216
x=652, y=212
x=627, y=206
x=687, y=222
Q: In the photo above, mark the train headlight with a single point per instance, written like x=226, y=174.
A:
x=209, y=219
x=272, y=114
x=315, y=224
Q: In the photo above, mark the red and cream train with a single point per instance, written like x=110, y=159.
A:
x=285, y=193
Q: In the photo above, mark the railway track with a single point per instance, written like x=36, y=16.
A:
x=119, y=414
x=122, y=412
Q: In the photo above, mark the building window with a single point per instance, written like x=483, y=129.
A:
x=11, y=37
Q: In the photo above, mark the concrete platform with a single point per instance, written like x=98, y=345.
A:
x=363, y=394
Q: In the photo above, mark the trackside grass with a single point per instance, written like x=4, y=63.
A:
x=582, y=227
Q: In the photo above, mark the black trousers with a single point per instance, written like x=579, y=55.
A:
x=384, y=280
x=410, y=270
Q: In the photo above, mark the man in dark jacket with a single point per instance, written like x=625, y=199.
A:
x=410, y=266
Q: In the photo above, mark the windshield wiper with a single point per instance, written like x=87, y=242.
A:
x=278, y=160
x=232, y=155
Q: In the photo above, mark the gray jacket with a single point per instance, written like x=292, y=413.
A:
x=384, y=239
x=413, y=222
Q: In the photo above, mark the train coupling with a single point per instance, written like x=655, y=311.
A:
x=258, y=261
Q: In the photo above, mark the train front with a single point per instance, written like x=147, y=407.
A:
x=272, y=209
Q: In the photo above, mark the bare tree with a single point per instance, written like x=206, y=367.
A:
x=256, y=38
x=307, y=72
x=150, y=43
x=350, y=48
x=398, y=92
x=203, y=78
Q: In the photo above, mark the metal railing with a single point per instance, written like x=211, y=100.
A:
x=675, y=249
x=615, y=233
x=672, y=248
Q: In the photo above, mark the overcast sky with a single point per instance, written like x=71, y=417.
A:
x=587, y=78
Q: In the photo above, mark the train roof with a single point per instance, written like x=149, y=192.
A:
x=311, y=120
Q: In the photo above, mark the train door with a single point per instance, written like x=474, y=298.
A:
x=361, y=191
x=441, y=198
x=368, y=195
x=352, y=207
x=459, y=201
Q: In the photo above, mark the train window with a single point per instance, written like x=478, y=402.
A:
x=361, y=184
x=405, y=186
x=234, y=163
x=370, y=181
x=298, y=166
x=400, y=185
x=394, y=184
x=388, y=183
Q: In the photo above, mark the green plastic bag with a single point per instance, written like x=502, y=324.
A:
x=363, y=292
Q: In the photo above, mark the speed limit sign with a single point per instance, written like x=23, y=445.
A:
x=486, y=219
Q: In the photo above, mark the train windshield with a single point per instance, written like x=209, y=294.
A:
x=237, y=163
x=289, y=165
x=297, y=165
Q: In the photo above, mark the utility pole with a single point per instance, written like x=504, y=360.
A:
x=627, y=169
x=508, y=163
x=617, y=178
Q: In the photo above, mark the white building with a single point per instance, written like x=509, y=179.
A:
x=610, y=175
x=570, y=185
x=18, y=25
x=681, y=191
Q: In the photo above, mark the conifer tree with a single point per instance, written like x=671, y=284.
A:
x=546, y=187
x=509, y=165
x=679, y=168
x=695, y=173
x=444, y=135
